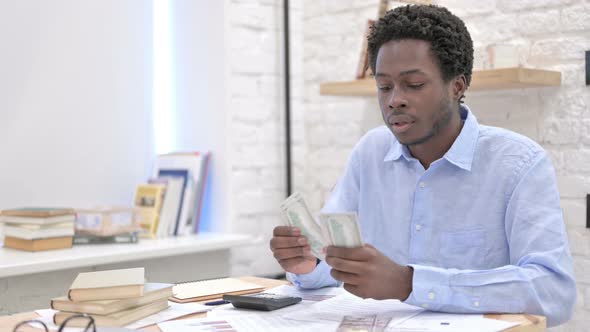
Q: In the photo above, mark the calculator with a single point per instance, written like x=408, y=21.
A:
x=261, y=301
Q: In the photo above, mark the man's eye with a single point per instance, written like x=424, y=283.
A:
x=384, y=88
x=416, y=86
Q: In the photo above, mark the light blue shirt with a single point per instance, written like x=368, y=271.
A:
x=482, y=227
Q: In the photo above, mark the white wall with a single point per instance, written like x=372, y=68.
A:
x=200, y=73
x=76, y=124
x=75, y=101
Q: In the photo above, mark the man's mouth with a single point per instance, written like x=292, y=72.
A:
x=400, y=127
x=401, y=123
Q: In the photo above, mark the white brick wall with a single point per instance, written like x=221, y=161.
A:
x=256, y=82
x=552, y=34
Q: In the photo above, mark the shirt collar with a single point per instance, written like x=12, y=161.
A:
x=461, y=152
x=463, y=149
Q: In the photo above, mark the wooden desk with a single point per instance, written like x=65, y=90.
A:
x=528, y=323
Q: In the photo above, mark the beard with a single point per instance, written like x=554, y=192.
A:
x=440, y=120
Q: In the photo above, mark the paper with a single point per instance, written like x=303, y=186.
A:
x=253, y=323
x=297, y=214
x=46, y=316
x=347, y=304
x=440, y=322
x=342, y=228
x=339, y=229
x=175, y=310
x=197, y=325
x=314, y=295
x=373, y=323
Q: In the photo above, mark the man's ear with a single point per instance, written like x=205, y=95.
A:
x=458, y=86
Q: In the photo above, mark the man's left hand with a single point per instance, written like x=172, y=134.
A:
x=367, y=273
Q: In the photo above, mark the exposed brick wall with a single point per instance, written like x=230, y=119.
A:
x=256, y=83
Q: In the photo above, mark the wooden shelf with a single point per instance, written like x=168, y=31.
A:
x=495, y=79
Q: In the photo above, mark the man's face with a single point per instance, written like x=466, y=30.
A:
x=415, y=102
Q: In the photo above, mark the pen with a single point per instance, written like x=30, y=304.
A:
x=217, y=302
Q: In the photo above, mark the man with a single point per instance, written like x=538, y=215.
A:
x=456, y=216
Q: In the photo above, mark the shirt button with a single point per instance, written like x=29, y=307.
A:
x=425, y=305
x=422, y=184
x=418, y=227
x=476, y=304
x=431, y=295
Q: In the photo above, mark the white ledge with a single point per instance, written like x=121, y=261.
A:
x=16, y=262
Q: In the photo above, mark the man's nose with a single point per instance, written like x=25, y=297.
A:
x=397, y=100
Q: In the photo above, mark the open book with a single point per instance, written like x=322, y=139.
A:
x=212, y=289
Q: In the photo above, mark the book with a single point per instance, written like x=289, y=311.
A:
x=212, y=289
x=37, y=212
x=151, y=292
x=107, y=285
x=148, y=201
x=37, y=220
x=184, y=176
x=65, y=224
x=131, y=237
x=171, y=205
x=201, y=191
x=192, y=162
x=27, y=233
x=115, y=319
x=38, y=244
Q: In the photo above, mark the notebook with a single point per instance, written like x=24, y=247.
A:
x=212, y=289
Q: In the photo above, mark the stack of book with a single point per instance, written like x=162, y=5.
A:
x=38, y=229
x=113, y=298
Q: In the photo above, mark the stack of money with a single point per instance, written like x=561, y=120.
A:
x=337, y=229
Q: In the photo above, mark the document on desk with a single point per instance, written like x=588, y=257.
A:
x=429, y=321
x=175, y=310
x=347, y=304
x=250, y=323
x=313, y=295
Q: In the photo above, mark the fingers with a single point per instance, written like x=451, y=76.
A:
x=352, y=289
x=292, y=263
x=363, y=253
x=346, y=278
x=286, y=231
x=280, y=242
x=344, y=265
x=288, y=243
x=287, y=253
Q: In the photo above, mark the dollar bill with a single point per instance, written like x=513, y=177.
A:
x=342, y=228
x=297, y=215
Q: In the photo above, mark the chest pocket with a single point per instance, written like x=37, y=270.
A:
x=463, y=249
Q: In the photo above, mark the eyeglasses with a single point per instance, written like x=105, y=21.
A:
x=90, y=326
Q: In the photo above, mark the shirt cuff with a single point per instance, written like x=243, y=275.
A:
x=430, y=287
x=318, y=278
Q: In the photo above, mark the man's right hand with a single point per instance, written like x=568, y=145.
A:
x=291, y=250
